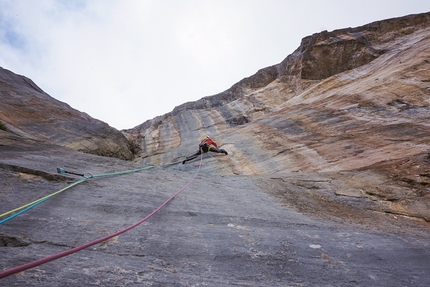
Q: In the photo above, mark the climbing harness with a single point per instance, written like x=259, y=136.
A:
x=97, y=241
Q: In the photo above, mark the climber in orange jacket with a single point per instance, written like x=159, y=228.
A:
x=207, y=144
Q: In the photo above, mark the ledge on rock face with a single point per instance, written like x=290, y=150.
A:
x=322, y=60
x=102, y=147
x=238, y=121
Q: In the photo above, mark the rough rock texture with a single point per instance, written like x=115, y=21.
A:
x=224, y=230
x=355, y=99
x=326, y=182
x=29, y=112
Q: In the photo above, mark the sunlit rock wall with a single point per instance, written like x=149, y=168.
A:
x=343, y=100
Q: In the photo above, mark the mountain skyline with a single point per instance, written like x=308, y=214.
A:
x=125, y=64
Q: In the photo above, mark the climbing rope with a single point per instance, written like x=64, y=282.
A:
x=37, y=202
x=20, y=210
x=97, y=241
x=30, y=205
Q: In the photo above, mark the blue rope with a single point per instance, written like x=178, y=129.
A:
x=22, y=211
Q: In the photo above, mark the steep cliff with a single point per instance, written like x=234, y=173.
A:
x=347, y=100
x=327, y=181
x=29, y=113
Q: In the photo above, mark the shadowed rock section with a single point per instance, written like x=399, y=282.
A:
x=30, y=113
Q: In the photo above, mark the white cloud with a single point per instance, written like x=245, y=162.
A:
x=210, y=34
x=128, y=61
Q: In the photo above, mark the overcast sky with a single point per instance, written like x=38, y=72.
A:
x=124, y=62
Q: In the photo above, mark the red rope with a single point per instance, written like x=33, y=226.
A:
x=97, y=241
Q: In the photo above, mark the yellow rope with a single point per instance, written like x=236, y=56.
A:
x=71, y=185
x=43, y=198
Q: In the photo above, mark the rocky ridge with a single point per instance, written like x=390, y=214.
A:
x=28, y=113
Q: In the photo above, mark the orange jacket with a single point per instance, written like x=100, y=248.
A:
x=209, y=142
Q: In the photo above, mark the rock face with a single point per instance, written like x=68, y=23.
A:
x=327, y=181
x=28, y=112
x=349, y=100
x=224, y=230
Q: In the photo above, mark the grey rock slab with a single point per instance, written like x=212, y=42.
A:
x=223, y=230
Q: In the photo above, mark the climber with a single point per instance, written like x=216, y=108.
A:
x=207, y=144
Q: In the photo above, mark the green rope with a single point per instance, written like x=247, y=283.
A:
x=40, y=200
x=44, y=198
